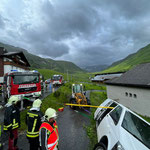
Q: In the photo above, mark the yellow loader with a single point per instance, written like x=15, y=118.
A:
x=78, y=96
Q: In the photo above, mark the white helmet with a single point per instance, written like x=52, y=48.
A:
x=50, y=113
x=13, y=99
x=37, y=103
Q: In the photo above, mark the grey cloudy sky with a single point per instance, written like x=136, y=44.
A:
x=86, y=32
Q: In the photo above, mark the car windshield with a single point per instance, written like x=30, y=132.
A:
x=25, y=79
x=137, y=127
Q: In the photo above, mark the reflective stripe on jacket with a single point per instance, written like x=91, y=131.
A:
x=11, y=118
x=53, y=137
x=33, y=120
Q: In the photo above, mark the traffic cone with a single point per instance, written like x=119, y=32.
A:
x=61, y=109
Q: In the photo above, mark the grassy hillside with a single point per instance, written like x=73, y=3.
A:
x=60, y=66
x=63, y=65
x=142, y=56
x=76, y=77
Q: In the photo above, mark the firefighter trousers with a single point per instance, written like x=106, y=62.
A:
x=13, y=140
x=34, y=143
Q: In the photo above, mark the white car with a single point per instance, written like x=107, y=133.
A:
x=120, y=128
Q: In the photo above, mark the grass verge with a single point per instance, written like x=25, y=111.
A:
x=94, y=86
x=145, y=118
x=96, y=99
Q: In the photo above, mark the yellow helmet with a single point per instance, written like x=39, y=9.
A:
x=13, y=99
x=50, y=113
x=37, y=103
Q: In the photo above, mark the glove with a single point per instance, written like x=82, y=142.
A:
x=11, y=135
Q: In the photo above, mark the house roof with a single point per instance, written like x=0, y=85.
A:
x=109, y=73
x=137, y=77
x=103, y=77
x=20, y=54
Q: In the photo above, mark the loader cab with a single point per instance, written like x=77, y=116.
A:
x=77, y=88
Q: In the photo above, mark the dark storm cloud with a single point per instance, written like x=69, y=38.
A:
x=2, y=24
x=118, y=26
x=42, y=44
x=86, y=32
x=60, y=22
x=69, y=19
x=94, y=55
x=51, y=49
x=129, y=9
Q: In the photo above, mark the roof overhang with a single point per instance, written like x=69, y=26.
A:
x=20, y=55
x=128, y=85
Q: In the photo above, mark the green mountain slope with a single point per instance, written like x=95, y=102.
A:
x=141, y=56
x=75, y=78
x=59, y=66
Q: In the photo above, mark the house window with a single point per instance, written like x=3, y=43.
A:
x=126, y=93
x=130, y=94
x=135, y=96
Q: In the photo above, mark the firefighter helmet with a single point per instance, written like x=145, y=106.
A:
x=13, y=99
x=50, y=113
x=37, y=103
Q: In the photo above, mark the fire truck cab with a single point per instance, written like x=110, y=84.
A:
x=57, y=80
x=22, y=84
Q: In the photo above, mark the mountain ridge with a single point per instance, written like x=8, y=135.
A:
x=141, y=56
x=95, y=68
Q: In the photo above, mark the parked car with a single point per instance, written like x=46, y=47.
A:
x=47, y=81
x=120, y=128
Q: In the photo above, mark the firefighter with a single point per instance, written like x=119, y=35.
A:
x=48, y=135
x=12, y=122
x=34, y=121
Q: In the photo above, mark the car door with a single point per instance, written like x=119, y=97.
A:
x=113, y=126
x=102, y=121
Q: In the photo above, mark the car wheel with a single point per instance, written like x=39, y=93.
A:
x=100, y=146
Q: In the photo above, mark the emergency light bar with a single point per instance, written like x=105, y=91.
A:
x=34, y=71
x=14, y=70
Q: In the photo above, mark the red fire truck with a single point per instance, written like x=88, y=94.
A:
x=57, y=80
x=22, y=84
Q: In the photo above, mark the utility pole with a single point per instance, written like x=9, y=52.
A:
x=67, y=76
x=51, y=65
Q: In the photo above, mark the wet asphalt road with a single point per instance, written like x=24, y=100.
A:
x=71, y=130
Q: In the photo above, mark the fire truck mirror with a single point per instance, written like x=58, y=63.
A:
x=13, y=76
